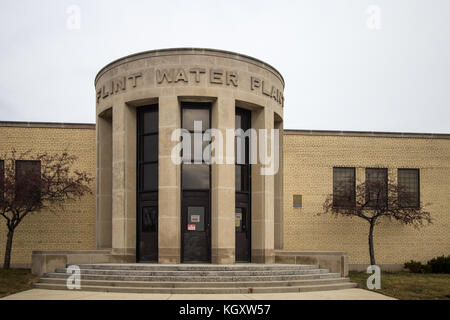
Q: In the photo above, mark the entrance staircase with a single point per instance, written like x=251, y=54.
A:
x=199, y=278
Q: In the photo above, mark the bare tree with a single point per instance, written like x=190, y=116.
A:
x=372, y=200
x=30, y=183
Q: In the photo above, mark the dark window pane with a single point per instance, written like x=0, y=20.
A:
x=408, y=182
x=149, y=219
x=242, y=140
x=242, y=119
x=241, y=178
x=238, y=178
x=149, y=196
x=150, y=122
x=195, y=176
x=246, y=120
x=149, y=148
x=241, y=149
x=238, y=121
x=344, y=187
x=149, y=177
x=199, y=156
x=191, y=115
x=242, y=144
x=376, y=187
x=28, y=180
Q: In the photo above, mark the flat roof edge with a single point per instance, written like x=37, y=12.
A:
x=381, y=134
x=60, y=125
x=374, y=134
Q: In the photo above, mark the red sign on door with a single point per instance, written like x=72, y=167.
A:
x=191, y=227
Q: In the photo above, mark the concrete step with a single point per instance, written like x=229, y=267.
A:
x=202, y=290
x=198, y=278
x=196, y=267
x=194, y=273
x=124, y=277
x=186, y=284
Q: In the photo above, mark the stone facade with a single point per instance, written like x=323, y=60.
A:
x=169, y=77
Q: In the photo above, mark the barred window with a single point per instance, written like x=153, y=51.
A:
x=28, y=180
x=408, y=182
x=376, y=187
x=344, y=187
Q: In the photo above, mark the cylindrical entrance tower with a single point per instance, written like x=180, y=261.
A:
x=156, y=204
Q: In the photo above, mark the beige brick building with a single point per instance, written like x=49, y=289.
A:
x=309, y=158
x=75, y=227
x=146, y=208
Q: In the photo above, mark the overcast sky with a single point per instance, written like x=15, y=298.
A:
x=348, y=65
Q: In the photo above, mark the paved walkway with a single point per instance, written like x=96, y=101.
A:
x=345, y=294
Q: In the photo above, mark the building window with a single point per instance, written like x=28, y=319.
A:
x=408, y=193
x=148, y=149
x=147, y=183
x=195, y=183
x=2, y=179
x=196, y=176
x=28, y=180
x=242, y=157
x=376, y=187
x=192, y=113
x=242, y=177
x=344, y=187
x=149, y=219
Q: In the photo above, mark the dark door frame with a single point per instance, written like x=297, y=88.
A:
x=195, y=105
x=199, y=199
x=248, y=218
x=151, y=197
x=249, y=192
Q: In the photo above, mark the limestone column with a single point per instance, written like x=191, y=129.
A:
x=104, y=182
x=262, y=196
x=278, y=190
x=169, y=180
x=223, y=189
x=124, y=180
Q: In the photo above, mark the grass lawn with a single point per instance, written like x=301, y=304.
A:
x=409, y=286
x=15, y=280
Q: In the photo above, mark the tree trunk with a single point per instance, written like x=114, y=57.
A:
x=9, y=241
x=371, y=250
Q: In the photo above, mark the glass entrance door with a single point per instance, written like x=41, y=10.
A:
x=148, y=231
x=242, y=224
x=196, y=235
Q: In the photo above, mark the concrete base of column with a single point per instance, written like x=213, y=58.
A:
x=124, y=251
x=169, y=255
x=223, y=256
x=266, y=256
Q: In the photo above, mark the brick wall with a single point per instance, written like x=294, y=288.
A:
x=73, y=228
x=309, y=159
